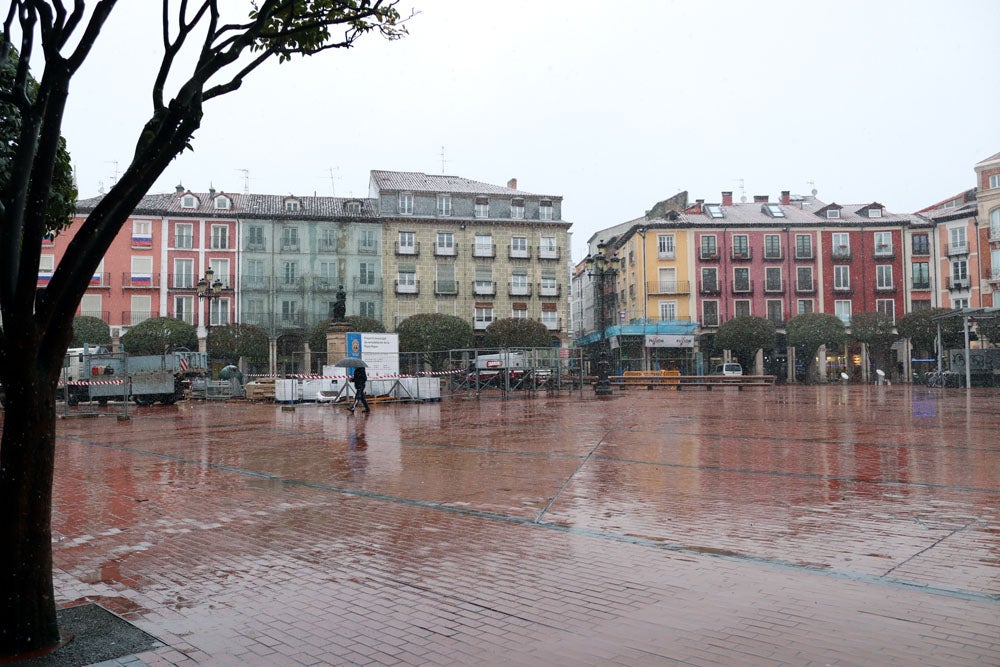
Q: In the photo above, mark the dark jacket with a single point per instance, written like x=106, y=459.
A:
x=360, y=378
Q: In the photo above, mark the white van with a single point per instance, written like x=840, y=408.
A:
x=728, y=369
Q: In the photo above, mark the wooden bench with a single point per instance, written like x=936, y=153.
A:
x=679, y=382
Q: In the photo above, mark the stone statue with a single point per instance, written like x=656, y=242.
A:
x=340, y=305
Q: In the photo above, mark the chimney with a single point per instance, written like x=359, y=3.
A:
x=786, y=197
x=179, y=188
x=697, y=205
x=512, y=184
x=727, y=198
x=760, y=199
x=211, y=190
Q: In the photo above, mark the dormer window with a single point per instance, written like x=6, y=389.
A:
x=517, y=209
x=874, y=213
x=353, y=208
x=189, y=201
x=292, y=205
x=713, y=210
x=773, y=210
x=223, y=203
x=833, y=214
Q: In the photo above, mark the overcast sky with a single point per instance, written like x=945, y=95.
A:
x=613, y=106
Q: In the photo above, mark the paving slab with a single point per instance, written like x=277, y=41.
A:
x=831, y=525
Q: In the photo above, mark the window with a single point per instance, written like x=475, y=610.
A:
x=445, y=243
x=221, y=268
x=290, y=273
x=803, y=279
x=995, y=224
x=994, y=181
x=220, y=237
x=484, y=279
x=253, y=311
x=46, y=266
x=961, y=303
x=519, y=283
x=446, y=279
x=886, y=307
x=517, y=209
x=833, y=214
x=254, y=278
x=841, y=244
x=665, y=246
x=549, y=285
x=189, y=201
x=545, y=210
x=444, y=204
x=775, y=311
x=289, y=239
x=255, y=238
x=183, y=236
x=222, y=202
x=184, y=308
x=519, y=311
x=289, y=311
x=550, y=316
x=842, y=309
x=668, y=310
x=803, y=246
x=772, y=279
x=327, y=240
x=353, y=208
x=292, y=205
x=883, y=243
x=710, y=313
x=328, y=274
x=883, y=277
x=142, y=234
x=921, y=275
x=483, y=246
x=519, y=246
x=804, y=306
x=773, y=210
x=183, y=273
x=875, y=212
x=667, y=280
x=406, y=203
x=547, y=248
x=366, y=273
x=406, y=278
x=921, y=245
x=482, y=207
x=710, y=280
x=141, y=309
x=713, y=210
x=741, y=246
x=741, y=308
x=367, y=309
x=142, y=272
x=772, y=246
x=407, y=243
x=483, y=317
x=957, y=243
x=960, y=274
x=100, y=280
x=368, y=241
x=841, y=278
x=741, y=280
x=709, y=247
x=90, y=306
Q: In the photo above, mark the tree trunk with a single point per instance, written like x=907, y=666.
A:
x=27, y=458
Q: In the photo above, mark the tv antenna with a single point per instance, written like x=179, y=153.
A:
x=814, y=190
x=246, y=180
x=443, y=161
x=333, y=178
x=114, y=176
x=743, y=191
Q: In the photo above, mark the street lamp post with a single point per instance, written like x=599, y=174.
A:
x=209, y=290
x=601, y=268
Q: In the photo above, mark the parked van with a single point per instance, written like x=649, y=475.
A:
x=728, y=369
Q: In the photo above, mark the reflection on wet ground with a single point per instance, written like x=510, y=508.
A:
x=655, y=526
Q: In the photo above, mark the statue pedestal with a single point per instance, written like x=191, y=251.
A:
x=336, y=341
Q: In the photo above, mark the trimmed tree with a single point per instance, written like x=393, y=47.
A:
x=922, y=331
x=744, y=336
x=220, y=45
x=517, y=332
x=877, y=332
x=990, y=330
x=432, y=335
x=88, y=330
x=159, y=335
x=808, y=331
x=227, y=344
x=357, y=323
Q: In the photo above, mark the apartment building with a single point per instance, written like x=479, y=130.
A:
x=988, y=212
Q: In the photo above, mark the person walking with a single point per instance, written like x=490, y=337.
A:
x=360, y=380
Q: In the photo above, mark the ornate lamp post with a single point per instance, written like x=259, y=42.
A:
x=209, y=290
x=601, y=268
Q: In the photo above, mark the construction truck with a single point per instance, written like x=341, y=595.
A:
x=91, y=373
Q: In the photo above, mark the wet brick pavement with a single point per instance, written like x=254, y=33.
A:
x=796, y=526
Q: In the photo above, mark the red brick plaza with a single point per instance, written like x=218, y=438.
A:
x=796, y=526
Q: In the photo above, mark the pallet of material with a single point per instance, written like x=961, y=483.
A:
x=260, y=390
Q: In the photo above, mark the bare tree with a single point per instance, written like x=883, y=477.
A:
x=37, y=323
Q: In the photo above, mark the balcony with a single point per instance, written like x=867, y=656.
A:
x=484, y=288
x=103, y=315
x=324, y=284
x=708, y=255
x=743, y=286
x=955, y=284
x=774, y=286
x=921, y=250
x=710, y=320
x=520, y=253
x=408, y=287
x=994, y=235
x=709, y=287
x=480, y=325
x=548, y=252
x=549, y=290
x=132, y=317
x=884, y=252
x=520, y=290
x=920, y=285
x=485, y=251
x=805, y=255
x=444, y=251
x=956, y=249
x=741, y=255
x=367, y=248
x=289, y=283
x=805, y=287
x=367, y=284
x=841, y=253
x=136, y=281
x=327, y=245
x=885, y=289
x=842, y=290
x=992, y=275
x=100, y=280
x=552, y=325
x=289, y=320
x=256, y=283
x=252, y=246
x=408, y=250
x=181, y=281
x=446, y=287
x=774, y=255
x=289, y=246
x=668, y=287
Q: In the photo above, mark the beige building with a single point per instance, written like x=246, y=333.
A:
x=477, y=251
